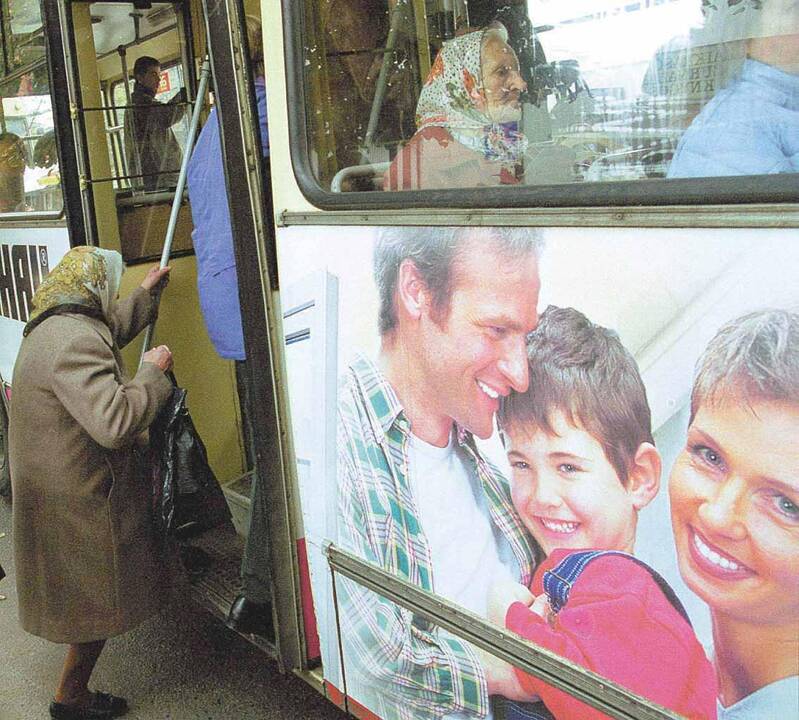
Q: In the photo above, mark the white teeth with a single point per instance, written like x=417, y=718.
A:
x=559, y=526
x=488, y=391
x=711, y=555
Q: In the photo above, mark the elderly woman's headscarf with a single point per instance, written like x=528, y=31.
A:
x=454, y=98
x=86, y=281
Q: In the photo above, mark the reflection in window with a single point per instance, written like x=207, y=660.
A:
x=23, y=31
x=611, y=88
x=29, y=173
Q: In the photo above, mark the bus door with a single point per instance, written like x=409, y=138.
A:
x=128, y=147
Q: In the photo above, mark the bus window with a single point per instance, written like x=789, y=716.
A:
x=495, y=94
x=139, y=75
x=120, y=146
x=140, y=55
x=29, y=174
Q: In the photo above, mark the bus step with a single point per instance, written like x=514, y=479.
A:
x=217, y=587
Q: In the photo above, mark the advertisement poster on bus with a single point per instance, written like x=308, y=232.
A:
x=26, y=256
x=510, y=398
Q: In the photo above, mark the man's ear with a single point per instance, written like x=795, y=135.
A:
x=413, y=296
x=644, y=476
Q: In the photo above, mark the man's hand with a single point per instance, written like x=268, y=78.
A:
x=160, y=356
x=502, y=595
x=157, y=278
x=501, y=678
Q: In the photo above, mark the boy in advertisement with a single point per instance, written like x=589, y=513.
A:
x=734, y=492
x=584, y=464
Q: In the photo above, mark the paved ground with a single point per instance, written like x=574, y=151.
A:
x=181, y=665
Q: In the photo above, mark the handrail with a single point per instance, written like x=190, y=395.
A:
x=585, y=685
x=205, y=73
x=356, y=171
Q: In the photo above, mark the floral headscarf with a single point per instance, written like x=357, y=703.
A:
x=86, y=281
x=453, y=98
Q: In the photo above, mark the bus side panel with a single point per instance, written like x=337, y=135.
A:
x=26, y=256
x=666, y=292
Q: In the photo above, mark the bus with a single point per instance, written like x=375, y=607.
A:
x=607, y=95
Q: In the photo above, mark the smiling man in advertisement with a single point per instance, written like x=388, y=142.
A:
x=416, y=496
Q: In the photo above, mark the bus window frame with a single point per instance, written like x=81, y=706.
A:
x=255, y=252
x=187, y=59
x=6, y=67
x=653, y=199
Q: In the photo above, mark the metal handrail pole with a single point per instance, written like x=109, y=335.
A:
x=382, y=78
x=205, y=73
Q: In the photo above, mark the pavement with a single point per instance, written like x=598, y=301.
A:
x=183, y=664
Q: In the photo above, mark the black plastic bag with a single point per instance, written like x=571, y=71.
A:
x=187, y=497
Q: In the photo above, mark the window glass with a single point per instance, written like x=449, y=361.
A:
x=169, y=87
x=141, y=56
x=467, y=93
x=29, y=175
x=147, y=121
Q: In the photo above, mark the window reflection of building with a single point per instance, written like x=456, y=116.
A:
x=750, y=126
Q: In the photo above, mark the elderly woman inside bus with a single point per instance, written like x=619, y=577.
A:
x=467, y=117
x=85, y=552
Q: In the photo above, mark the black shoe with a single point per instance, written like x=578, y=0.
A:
x=248, y=617
x=102, y=706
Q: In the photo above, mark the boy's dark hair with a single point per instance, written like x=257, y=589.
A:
x=435, y=251
x=754, y=357
x=584, y=371
x=143, y=64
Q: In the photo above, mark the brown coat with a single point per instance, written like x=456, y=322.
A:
x=85, y=554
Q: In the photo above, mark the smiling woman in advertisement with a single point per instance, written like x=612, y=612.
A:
x=734, y=494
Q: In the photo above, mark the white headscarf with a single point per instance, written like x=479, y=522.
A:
x=454, y=98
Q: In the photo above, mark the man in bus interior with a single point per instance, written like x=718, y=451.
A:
x=751, y=127
x=151, y=148
x=416, y=496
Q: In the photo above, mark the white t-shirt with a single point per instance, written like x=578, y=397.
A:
x=454, y=516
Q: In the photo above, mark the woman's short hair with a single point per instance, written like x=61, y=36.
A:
x=752, y=358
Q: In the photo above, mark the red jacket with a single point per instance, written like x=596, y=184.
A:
x=618, y=623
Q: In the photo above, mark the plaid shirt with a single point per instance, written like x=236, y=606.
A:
x=402, y=666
